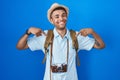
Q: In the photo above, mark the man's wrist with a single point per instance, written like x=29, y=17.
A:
x=27, y=32
x=93, y=33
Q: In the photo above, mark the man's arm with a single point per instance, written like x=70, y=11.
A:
x=98, y=41
x=99, y=44
x=22, y=43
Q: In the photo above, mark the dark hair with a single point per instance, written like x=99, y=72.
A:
x=58, y=8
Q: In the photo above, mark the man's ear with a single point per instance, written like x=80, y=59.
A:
x=51, y=20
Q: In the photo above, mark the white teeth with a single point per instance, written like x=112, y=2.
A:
x=61, y=22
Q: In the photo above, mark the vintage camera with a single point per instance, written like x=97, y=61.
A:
x=59, y=68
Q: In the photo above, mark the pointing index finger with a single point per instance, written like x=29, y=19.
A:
x=79, y=33
x=44, y=33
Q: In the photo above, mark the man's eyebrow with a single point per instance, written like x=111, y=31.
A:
x=65, y=13
x=56, y=15
x=62, y=14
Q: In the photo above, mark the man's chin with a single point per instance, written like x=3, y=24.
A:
x=62, y=28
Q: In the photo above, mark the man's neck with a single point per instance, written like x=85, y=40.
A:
x=62, y=32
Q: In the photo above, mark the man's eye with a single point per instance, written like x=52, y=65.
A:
x=56, y=17
x=64, y=15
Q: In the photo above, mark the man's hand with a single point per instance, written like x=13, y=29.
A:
x=98, y=41
x=86, y=31
x=36, y=31
x=22, y=43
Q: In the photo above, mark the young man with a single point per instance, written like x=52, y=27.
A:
x=61, y=56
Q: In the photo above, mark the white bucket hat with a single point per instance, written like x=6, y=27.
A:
x=53, y=7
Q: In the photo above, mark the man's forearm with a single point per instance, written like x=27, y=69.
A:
x=98, y=41
x=22, y=43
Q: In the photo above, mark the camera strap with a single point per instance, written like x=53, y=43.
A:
x=52, y=55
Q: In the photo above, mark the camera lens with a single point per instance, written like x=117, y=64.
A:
x=59, y=68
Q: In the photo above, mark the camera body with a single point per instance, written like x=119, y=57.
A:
x=59, y=68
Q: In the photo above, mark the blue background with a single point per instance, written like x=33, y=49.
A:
x=18, y=15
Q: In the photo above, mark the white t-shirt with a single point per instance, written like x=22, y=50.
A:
x=60, y=53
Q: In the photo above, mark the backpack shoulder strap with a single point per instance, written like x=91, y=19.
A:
x=75, y=44
x=49, y=38
x=48, y=41
x=74, y=39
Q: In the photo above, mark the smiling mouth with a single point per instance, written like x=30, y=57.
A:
x=62, y=23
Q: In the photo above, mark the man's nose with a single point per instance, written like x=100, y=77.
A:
x=61, y=18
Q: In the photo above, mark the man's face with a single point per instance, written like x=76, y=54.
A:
x=59, y=18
